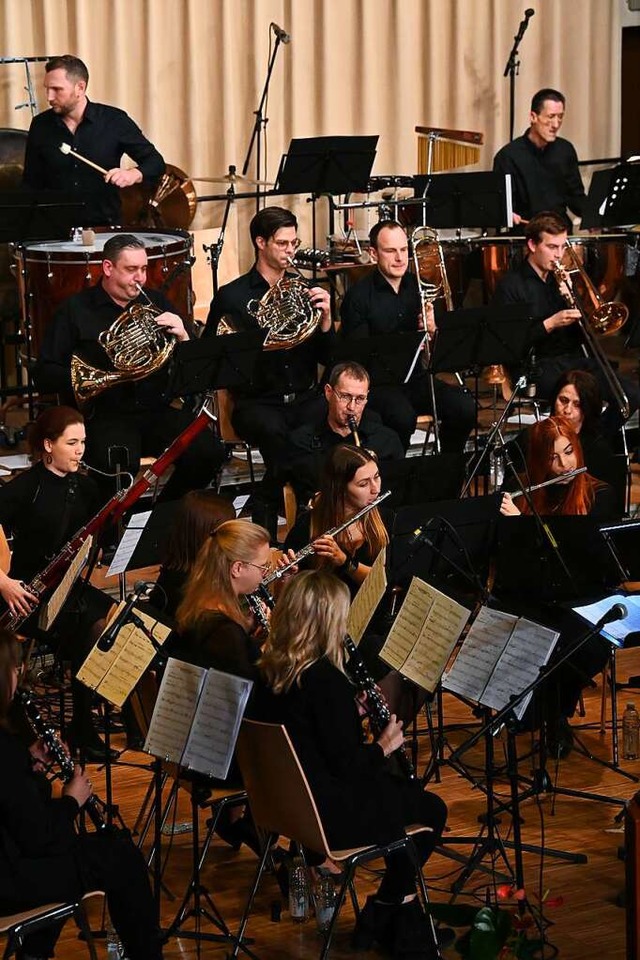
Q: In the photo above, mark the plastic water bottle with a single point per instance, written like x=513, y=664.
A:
x=114, y=946
x=325, y=901
x=496, y=470
x=630, y=733
x=298, y=891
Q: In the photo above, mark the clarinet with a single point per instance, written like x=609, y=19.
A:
x=57, y=751
x=258, y=602
x=378, y=708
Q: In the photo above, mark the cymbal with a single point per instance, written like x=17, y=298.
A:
x=232, y=178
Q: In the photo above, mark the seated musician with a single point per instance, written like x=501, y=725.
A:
x=135, y=413
x=346, y=393
x=556, y=340
x=285, y=392
x=44, y=860
x=360, y=797
x=388, y=301
x=42, y=508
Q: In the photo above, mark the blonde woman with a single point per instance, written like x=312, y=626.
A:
x=359, y=795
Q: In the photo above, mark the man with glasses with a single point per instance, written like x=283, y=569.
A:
x=543, y=166
x=387, y=301
x=285, y=391
x=346, y=394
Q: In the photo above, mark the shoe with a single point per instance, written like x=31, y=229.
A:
x=559, y=739
x=376, y=923
x=237, y=832
x=89, y=747
x=413, y=934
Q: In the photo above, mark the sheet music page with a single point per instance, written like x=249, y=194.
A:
x=94, y=668
x=617, y=630
x=174, y=710
x=472, y=668
x=216, y=724
x=54, y=605
x=130, y=540
x=367, y=598
x=424, y=634
x=133, y=659
x=528, y=649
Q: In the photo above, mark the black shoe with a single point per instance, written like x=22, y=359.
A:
x=376, y=923
x=413, y=934
x=89, y=747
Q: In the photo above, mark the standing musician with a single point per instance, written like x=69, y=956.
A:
x=284, y=393
x=359, y=797
x=543, y=166
x=95, y=131
x=42, y=508
x=135, y=413
x=388, y=301
x=44, y=860
x=555, y=340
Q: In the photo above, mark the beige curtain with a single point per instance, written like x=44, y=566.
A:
x=190, y=72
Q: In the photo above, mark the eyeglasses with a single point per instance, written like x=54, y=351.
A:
x=349, y=398
x=283, y=244
x=263, y=567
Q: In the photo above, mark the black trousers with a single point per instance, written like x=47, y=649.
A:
x=266, y=423
x=399, y=406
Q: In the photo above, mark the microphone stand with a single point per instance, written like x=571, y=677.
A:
x=260, y=124
x=512, y=68
x=494, y=434
x=215, y=249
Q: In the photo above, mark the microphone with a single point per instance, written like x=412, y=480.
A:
x=617, y=612
x=529, y=13
x=141, y=589
x=281, y=34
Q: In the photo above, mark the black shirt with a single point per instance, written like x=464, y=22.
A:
x=542, y=179
x=524, y=285
x=372, y=307
x=103, y=135
x=75, y=328
x=279, y=372
x=216, y=641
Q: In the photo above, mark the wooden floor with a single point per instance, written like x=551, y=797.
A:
x=587, y=923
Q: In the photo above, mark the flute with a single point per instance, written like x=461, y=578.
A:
x=549, y=483
x=308, y=550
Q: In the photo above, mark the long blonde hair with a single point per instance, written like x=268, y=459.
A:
x=309, y=621
x=209, y=585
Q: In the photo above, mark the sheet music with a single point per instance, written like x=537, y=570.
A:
x=483, y=645
x=528, y=649
x=369, y=595
x=174, y=710
x=52, y=608
x=130, y=540
x=98, y=662
x=425, y=632
x=617, y=630
x=216, y=724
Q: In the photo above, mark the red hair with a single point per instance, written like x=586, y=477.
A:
x=573, y=499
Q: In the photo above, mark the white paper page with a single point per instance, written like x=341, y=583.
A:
x=217, y=721
x=366, y=600
x=529, y=648
x=174, y=710
x=618, y=629
x=130, y=540
x=479, y=653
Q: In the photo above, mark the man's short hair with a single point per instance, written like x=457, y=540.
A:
x=351, y=368
x=269, y=221
x=123, y=241
x=382, y=225
x=547, y=93
x=74, y=68
x=544, y=222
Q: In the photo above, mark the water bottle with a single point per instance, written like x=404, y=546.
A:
x=630, y=733
x=76, y=235
x=325, y=901
x=114, y=946
x=298, y=891
x=496, y=470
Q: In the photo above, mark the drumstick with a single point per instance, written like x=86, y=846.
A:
x=67, y=149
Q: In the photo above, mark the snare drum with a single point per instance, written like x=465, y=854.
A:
x=49, y=272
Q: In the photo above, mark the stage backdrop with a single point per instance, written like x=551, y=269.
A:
x=191, y=72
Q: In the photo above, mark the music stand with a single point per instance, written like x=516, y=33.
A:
x=480, y=336
x=330, y=165
x=457, y=200
x=386, y=357
x=614, y=197
x=40, y=214
x=214, y=363
x=417, y=480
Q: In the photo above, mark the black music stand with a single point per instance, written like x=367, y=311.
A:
x=214, y=363
x=424, y=479
x=480, y=336
x=322, y=165
x=457, y=200
x=614, y=197
x=386, y=357
x=40, y=214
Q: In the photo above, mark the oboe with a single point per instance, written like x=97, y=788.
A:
x=58, y=753
x=377, y=706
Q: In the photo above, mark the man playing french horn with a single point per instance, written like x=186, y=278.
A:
x=123, y=407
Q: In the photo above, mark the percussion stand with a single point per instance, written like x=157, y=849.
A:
x=513, y=66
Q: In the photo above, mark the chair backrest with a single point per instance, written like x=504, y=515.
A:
x=279, y=794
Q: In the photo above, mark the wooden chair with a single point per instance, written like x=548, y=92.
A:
x=224, y=411
x=281, y=803
x=18, y=926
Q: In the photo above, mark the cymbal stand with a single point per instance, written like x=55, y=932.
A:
x=214, y=250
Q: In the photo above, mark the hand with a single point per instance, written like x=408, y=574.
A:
x=431, y=320
x=508, y=507
x=120, y=177
x=321, y=301
x=79, y=787
x=392, y=736
x=17, y=596
x=517, y=219
x=39, y=755
x=286, y=557
x=563, y=318
x=172, y=323
x=328, y=548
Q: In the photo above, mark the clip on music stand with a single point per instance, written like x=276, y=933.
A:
x=386, y=357
x=330, y=165
x=214, y=363
x=40, y=214
x=457, y=200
